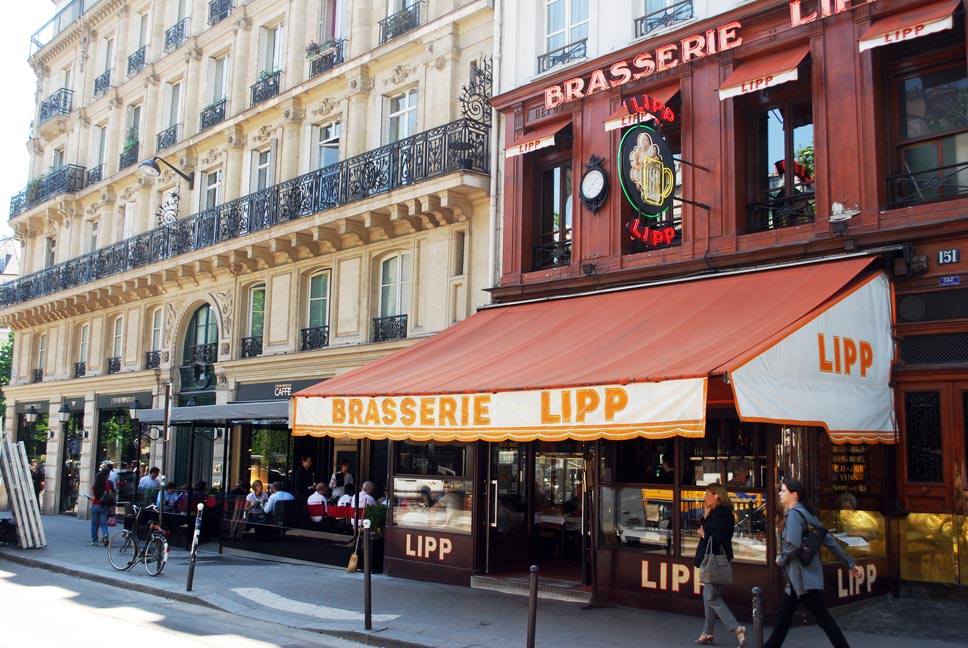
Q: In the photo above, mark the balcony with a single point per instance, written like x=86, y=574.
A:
x=571, y=52
x=316, y=337
x=128, y=157
x=58, y=103
x=37, y=376
x=218, y=10
x=212, y=114
x=64, y=19
x=460, y=145
x=113, y=365
x=168, y=137
x=251, y=347
x=266, y=87
x=176, y=35
x=102, y=83
x=400, y=22
x=551, y=255
x=774, y=211
x=80, y=369
x=95, y=175
x=204, y=353
x=666, y=17
x=67, y=179
x=930, y=185
x=136, y=61
x=152, y=359
x=389, y=328
x=329, y=56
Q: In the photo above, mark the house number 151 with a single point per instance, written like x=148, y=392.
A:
x=949, y=256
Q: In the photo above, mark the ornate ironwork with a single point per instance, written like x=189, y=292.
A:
x=128, y=157
x=212, y=114
x=114, y=365
x=266, y=87
x=475, y=95
x=168, y=137
x=218, y=10
x=80, y=368
x=455, y=146
x=58, y=103
x=66, y=179
x=571, y=52
x=400, y=22
x=152, y=359
x=251, y=347
x=95, y=174
x=176, y=34
x=389, y=328
x=61, y=21
x=136, y=61
x=551, y=255
x=930, y=185
x=777, y=211
x=37, y=375
x=664, y=17
x=922, y=414
x=102, y=83
x=204, y=353
x=330, y=55
x=315, y=337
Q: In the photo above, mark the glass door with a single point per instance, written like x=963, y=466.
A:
x=70, y=469
x=508, y=548
x=559, y=494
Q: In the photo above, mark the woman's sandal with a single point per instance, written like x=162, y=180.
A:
x=740, y=633
x=705, y=640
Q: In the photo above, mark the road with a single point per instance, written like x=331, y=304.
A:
x=41, y=608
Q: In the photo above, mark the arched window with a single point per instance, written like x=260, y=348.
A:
x=395, y=285
x=257, y=310
x=201, y=336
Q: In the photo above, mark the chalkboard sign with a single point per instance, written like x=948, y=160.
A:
x=850, y=468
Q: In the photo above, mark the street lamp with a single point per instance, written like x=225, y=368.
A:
x=31, y=415
x=63, y=414
x=150, y=169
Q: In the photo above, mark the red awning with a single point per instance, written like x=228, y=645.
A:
x=914, y=23
x=622, y=117
x=763, y=72
x=537, y=138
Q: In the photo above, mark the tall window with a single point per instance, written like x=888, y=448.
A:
x=174, y=103
x=42, y=352
x=403, y=115
x=202, y=330
x=257, y=310
x=331, y=20
x=219, y=78
x=272, y=42
x=57, y=160
x=553, y=203
x=134, y=124
x=180, y=8
x=142, y=23
x=92, y=234
x=108, y=54
x=318, y=300
x=66, y=76
x=213, y=188
x=157, y=320
x=395, y=285
x=82, y=342
x=566, y=21
x=100, y=144
x=261, y=169
x=328, y=147
x=50, y=251
x=128, y=217
x=117, y=339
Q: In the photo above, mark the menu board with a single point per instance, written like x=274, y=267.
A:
x=850, y=468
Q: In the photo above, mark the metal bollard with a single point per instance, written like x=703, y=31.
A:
x=191, y=562
x=532, y=605
x=367, y=591
x=757, y=617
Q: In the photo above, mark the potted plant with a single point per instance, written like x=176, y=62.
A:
x=313, y=49
x=266, y=74
x=377, y=515
x=131, y=139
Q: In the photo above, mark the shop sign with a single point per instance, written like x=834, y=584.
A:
x=663, y=576
x=121, y=401
x=799, y=15
x=849, y=585
x=272, y=390
x=641, y=108
x=42, y=407
x=952, y=255
x=846, y=352
x=427, y=547
x=648, y=178
x=75, y=404
x=950, y=280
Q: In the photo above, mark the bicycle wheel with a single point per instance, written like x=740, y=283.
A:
x=122, y=550
x=156, y=555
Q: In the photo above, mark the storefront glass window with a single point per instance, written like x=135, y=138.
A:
x=431, y=459
x=268, y=455
x=927, y=549
x=437, y=504
x=922, y=419
x=637, y=517
x=749, y=535
x=731, y=453
x=862, y=534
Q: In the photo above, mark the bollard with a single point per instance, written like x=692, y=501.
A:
x=757, y=617
x=367, y=592
x=532, y=605
x=191, y=562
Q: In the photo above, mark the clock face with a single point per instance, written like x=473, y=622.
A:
x=593, y=184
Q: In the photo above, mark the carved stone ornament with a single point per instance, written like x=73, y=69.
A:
x=440, y=63
x=213, y=156
x=223, y=301
x=50, y=227
x=220, y=379
x=93, y=209
x=169, y=324
x=400, y=73
x=263, y=134
x=327, y=106
x=225, y=349
x=128, y=193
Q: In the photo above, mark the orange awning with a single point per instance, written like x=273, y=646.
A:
x=764, y=72
x=622, y=117
x=907, y=25
x=536, y=138
x=616, y=365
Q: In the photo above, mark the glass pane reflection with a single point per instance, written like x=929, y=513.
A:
x=637, y=517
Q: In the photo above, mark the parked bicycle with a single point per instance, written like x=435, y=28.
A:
x=125, y=549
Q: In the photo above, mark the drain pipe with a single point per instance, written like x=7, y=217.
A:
x=494, y=222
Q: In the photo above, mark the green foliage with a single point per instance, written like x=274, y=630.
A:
x=131, y=139
x=117, y=430
x=377, y=515
x=805, y=157
x=6, y=364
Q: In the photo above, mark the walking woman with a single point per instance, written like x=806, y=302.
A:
x=804, y=582
x=716, y=537
x=101, y=503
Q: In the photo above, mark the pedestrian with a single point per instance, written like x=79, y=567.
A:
x=37, y=476
x=303, y=481
x=804, y=582
x=716, y=538
x=101, y=504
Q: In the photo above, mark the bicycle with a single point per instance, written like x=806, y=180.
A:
x=125, y=550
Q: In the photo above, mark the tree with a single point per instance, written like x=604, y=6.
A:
x=6, y=363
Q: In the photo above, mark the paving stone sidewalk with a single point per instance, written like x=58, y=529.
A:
x=411, y=613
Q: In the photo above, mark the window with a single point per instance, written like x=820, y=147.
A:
x=922, y=436
x=553, y=203
x=318, y=300
x=213, y=188
x=157, y=320
x=331, y=20
x=403, y=115
x=327, y=152
x=92, y=233
x=219, y=78
x=261, y=169
x=566, y=21
x=57, y=160
x=133, y=132
x=395, y=285
x=460, y=241
x=257, y=310
x=82, y=342
x=272, y=43
x=117, y=339
x=128, y=217
x=108, y=54
x=142, y=23
x=100, y=144
x=42, y=352
x=66, y=76
x=436, y=496
x=173, y=103
x=50, y=252
x=180, y=10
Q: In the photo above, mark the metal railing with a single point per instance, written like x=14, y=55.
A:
x=95, y=174
x=251, y=347
x=152, y=359
x=102, y=83
x=37, y=376
x=114, y=365
x=461, y=145
x=389, y=328
x=212, y=114
x=168, y=137
x=136, y=61
x=551, y=255
x=128, y=157
x=774, y=211
x=664, y=17
x=266, y=87
x=61, y=21
x=66, y=179
x=315, y=337
x=203, y=353
x=80, y=369
x=929, y=185
x=571, y=52
x=400, y=22
x=59, y=103
x=218, y=10
x=330, y=55
x=176, y=34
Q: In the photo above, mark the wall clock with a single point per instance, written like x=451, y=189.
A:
x=593, y=189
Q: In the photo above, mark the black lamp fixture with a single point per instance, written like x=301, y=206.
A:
x=31, y=415
x=133, y=410
x=150, y=169
x=63, y=415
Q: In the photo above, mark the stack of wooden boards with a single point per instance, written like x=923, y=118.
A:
x=15, y=472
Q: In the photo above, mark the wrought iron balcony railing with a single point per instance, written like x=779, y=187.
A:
x=330, y=55
x=251, y=347
x=571, y=52
x=128, y=157
x=58, y=103
x=400, y=22
x=662, y=18
x=218, y=10
x=315, y=337
x=212, y=114
x=114, y=365
x=64, y=19
x=266, y=87
x=102, y=83
x=775, y=211
x=67, y=179
x=136, y=61
x=37, y=375
x=168, y=137
x=80, y=369
x=152, y=359
x=389, y=328
x=176, y=35
x=203, y=353
x=460, y=145
x=551, y=255
x=929, y=185
x=95, y=174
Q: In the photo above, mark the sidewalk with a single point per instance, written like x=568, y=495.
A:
x=406, y=613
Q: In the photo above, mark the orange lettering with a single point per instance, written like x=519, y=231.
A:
x=616, y=399
x=850, y=355
x=667, y=57
x=339, y=411
x=553, y=97
x=356, y=411
x=597, y=83
x=427, y=412
x=408, y=411
x=729, y=35
x=547, y=418
x=482, y=413
x=692, y=47
x=796, y=17
x=446, y=410
x=836, y=354
x=372, y=413
x=573, y=89
x=587, y=400
x=866, y=357
x=645, y=63
x=389, y=407
x=825, y=365
x=621, y=72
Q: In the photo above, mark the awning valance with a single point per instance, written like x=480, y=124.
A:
x=764, y=72
x=622, y=117
x=537, y=138
x=276, y=410
x=907, y=25
x=634, y=362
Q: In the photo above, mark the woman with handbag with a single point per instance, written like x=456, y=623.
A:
x=799, y=557
x=713, y=556
x=102, y=501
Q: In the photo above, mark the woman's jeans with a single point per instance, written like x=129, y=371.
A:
x=714, y=605
x=99, y=517
x=814, y=602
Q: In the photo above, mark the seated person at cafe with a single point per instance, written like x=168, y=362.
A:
x=276, y=494
x=341, y=479
x=741, y=476
x=346, y=499
x=318, y=503
x=172, y=498
x=149, y=485
x=366, y=495
x=255, y=502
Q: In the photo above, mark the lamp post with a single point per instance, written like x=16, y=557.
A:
x=150, y=169
x=63, y=415
x=30, y=417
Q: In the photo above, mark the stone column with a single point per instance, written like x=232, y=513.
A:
x=50, y=498
x=87, y=467
x=291, y=136
x=232, y=181
x=355, y=127
x=295, y=62
x=240, y=64
x=192, y=84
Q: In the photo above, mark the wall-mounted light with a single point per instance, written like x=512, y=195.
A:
x=31, y=415
x=150, y=169
x=839, y=218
